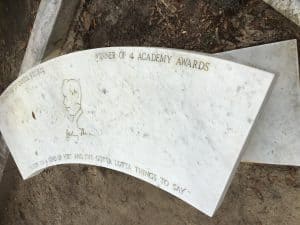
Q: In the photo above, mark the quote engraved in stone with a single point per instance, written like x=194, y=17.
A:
x=178, y=120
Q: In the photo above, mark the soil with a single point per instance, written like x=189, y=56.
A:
x=16, y=19
x=73, y=194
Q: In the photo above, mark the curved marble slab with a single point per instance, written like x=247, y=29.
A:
x=175, y=119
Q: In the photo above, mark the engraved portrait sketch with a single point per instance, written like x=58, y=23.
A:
x=72, y=97
x=71, y=90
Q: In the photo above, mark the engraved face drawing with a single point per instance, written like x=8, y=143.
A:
x=71, y=90
x=72, y=97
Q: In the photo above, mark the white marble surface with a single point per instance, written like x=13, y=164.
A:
x=276, y=137
x=177, y=120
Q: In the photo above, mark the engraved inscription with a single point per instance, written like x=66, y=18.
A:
x=193, y=63
x=37, y=72
x=154, y=57
x=72, y=97
x=113, y=163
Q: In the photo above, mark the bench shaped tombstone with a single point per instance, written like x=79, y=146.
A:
x=178, y=120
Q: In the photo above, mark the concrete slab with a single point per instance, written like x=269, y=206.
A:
x=275, y=139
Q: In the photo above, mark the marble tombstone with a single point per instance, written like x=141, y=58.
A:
x=178, y=120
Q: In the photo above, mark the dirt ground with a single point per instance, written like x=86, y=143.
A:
x=72, y=194
x=16, y=18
